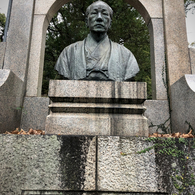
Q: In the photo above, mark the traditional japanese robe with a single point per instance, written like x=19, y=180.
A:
x=88, y=60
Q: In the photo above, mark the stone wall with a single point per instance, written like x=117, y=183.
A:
x=54, y=164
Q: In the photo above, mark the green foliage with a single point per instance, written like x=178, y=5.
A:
x=192, y=44
x=68, y=26
x=179, y=149
x=2, y=25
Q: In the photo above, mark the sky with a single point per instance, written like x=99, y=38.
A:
x=4, y=6
x=190, y=20
x=190, y=24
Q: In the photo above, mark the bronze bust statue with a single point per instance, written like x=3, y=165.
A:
x=97, y=57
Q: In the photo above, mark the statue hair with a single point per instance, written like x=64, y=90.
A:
x=89, y=7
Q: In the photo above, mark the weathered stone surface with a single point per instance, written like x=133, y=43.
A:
x=46, y=163
x=34, y=113
x=177, y=56
x=10, y=114
x=10, y=84
x=77, y=124
x=192, y=59
x=42, y=7
x=11, y=88
x=54, y=165
x=96, y=108
x=133, y=173
x=157, y=52
x=48, y=7
x=157, y=113
x=170, y=168
x=176, y=40
x=43, y=12
x=183, y=106
x=96, y=124
x=96, y=89
x=36, y=59
x=148, y=8
x=2, y=53
x=17, y=49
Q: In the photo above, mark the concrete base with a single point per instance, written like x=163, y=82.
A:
x=97, y=108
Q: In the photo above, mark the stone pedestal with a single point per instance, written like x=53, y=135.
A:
x=96, y=108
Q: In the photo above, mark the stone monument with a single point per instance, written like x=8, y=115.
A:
x=62, y=164
x=106, y=105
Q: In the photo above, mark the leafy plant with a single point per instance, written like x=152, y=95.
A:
x=179, y=150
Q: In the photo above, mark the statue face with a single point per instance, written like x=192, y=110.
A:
x=99, y=19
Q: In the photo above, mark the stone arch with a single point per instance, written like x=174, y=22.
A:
x=151, y=11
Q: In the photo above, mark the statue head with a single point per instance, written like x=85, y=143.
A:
x=99, y=16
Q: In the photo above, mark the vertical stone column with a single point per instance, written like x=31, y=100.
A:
x=36, y=61
x=176, y=40
x=157, y=51
x=14, y=72
x=19, y=37
x=178, y=63
x=43, y=13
